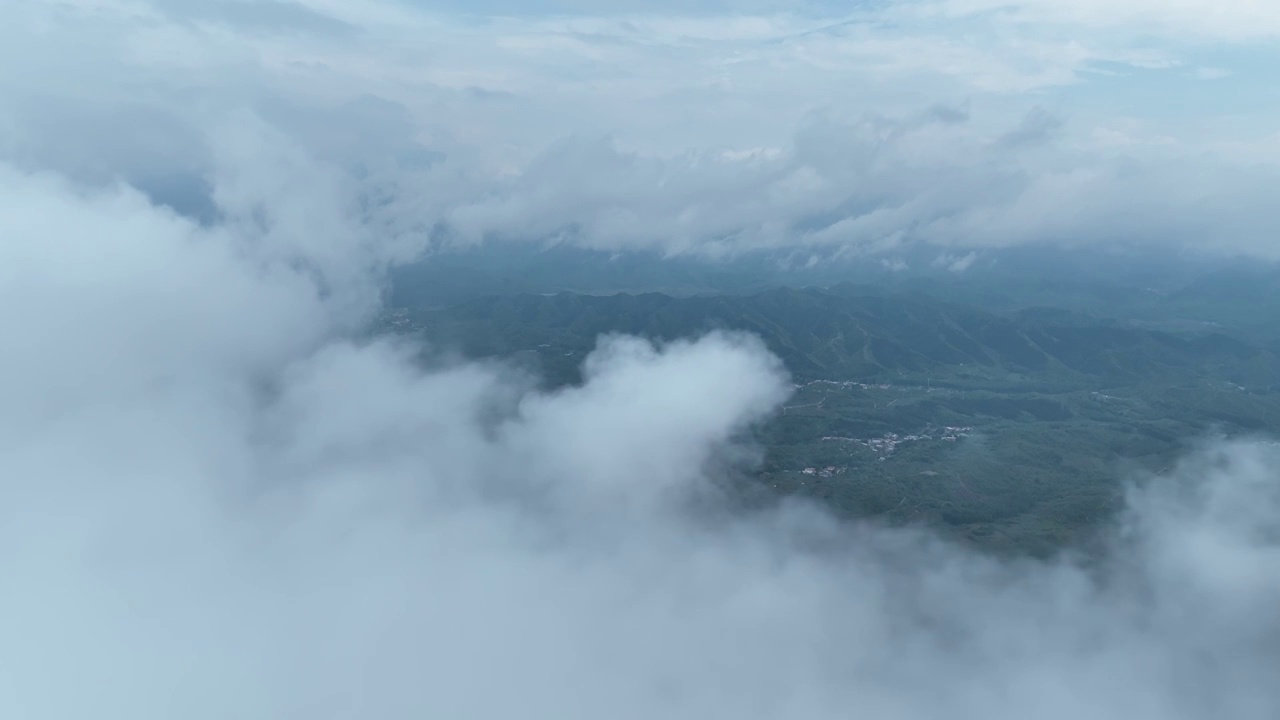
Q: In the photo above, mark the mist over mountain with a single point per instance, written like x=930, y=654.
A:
x=633, y=360
x=223, y=506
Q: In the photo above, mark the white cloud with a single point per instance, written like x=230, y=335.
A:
x=708, y=130
x=1198, y=20
x=955, y=263
x=1212, y=73
x=216, y=501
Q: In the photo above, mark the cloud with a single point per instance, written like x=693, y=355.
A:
x=714, y=130
x=219, y=501
x=220, y=498
x=955, y=264
x=1196, y=20
x=269, y=16
x=1211, y=73
x=1038, y=127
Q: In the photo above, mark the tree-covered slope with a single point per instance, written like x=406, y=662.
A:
x=838, y=335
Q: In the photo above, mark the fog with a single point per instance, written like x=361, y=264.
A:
x=221, y=498
x=218, y=501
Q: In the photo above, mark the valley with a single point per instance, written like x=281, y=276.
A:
x=1014, y=431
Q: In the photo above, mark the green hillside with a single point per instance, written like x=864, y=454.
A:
x=1013, y=431
x=829, y=335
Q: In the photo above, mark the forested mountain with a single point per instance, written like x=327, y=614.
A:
x=844, y=334
x=1013, y=430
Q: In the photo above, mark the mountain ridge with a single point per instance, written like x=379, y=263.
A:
x=830, y=334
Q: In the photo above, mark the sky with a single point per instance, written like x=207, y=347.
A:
x=220, y=498
x=706, y=128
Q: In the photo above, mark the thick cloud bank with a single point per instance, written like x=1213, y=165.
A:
x=215, y=504
x=707, y=128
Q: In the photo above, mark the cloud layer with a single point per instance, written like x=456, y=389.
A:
x=218, y=500
x=216, y=503
x=709, y=129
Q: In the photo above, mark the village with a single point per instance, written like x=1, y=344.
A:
x=888, y=443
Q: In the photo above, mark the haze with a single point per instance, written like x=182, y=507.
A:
x=223, y=494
